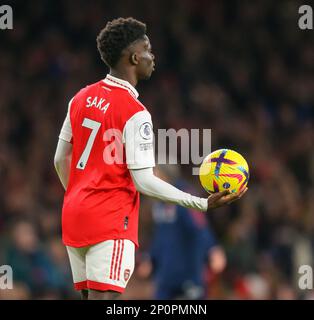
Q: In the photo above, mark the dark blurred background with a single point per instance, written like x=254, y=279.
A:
x=242, y=68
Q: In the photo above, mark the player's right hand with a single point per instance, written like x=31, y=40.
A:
x=222, y=198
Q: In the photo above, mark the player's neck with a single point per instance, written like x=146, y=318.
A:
x=124, y=75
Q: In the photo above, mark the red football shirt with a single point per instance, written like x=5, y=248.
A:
x=111, y=132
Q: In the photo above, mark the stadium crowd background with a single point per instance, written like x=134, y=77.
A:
x=242, y=68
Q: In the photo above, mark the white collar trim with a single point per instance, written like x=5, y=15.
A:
x=116, y=82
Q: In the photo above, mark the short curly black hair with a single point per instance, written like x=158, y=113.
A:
x=116, y=36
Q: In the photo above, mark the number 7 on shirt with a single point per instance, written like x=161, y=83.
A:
x=94, y=125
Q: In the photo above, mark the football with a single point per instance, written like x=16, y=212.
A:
x=224, y=169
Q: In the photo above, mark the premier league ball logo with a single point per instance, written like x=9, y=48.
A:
x=146, y=131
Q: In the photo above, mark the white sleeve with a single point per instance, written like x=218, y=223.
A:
x=147, y=183
x=62, y=161
x=66, y=130
x=138, y=138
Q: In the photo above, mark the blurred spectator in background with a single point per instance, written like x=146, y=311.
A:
x=183, y=249
x=20, y=291
x=44, y=271
x=30, y=263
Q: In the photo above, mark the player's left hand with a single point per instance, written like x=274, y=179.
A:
x=219, y=199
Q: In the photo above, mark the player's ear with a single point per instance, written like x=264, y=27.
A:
x=134, y=58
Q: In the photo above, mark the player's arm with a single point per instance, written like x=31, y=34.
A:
x=138, y=139
x=62, y=161
x=63, y=155
x=147, y=183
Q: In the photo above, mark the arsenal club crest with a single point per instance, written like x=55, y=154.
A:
x=126, y=274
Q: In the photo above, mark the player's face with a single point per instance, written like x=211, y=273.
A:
x=146, y=64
